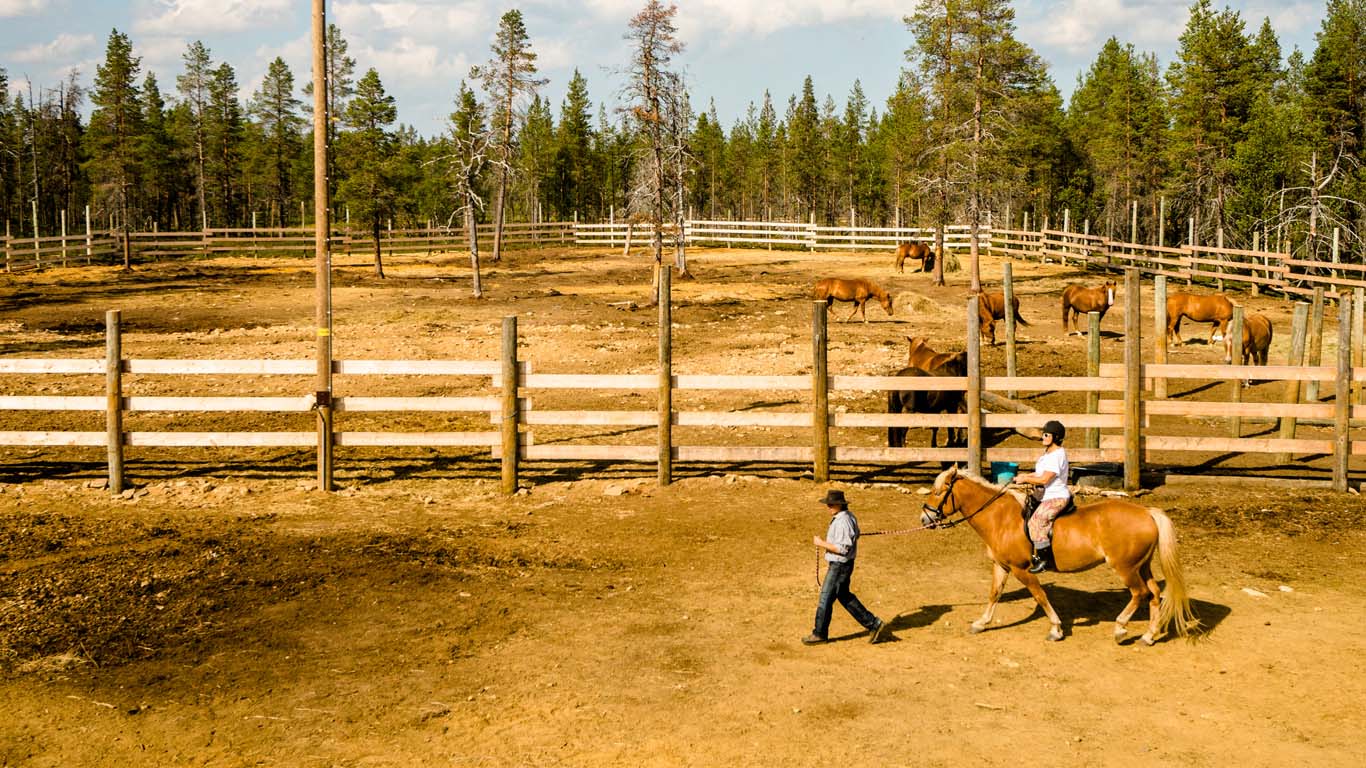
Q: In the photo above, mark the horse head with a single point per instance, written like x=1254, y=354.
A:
x=1109, y=293
x=932, y=513
x=886, y=299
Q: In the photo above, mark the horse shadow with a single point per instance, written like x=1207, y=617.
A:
x=1094, y=608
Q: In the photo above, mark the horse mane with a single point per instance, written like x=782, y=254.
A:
x=987, y=485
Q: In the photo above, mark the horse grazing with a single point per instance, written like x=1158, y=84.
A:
x=992, y=307
x=926, y=401
x=1256, y=341
x=1124, y=534
x=1216, y=310
x=915, y=252
x=1078, y=300
x=857, y=290
x=921, y=355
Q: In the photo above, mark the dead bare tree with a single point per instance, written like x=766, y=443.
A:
x=680, y=157
x=468, y=160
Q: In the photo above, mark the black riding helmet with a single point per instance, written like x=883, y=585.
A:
x=1056, y=429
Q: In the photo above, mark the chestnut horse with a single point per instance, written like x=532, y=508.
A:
x=926, y=401
x=915, y=252
x=1256, y=341
x=1124, y=534
x=921, y=355
x=992, y=307
x=1077, y=300
x=1215, y=309
x=857, y=290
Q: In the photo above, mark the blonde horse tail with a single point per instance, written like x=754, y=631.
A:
x=1175, y=607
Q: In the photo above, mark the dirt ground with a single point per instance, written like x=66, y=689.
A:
x=226, y=614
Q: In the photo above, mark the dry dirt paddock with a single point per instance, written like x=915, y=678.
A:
x=224, y=614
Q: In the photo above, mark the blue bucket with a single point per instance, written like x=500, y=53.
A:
x=1003, y=472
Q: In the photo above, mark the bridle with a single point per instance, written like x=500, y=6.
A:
x=934, y=517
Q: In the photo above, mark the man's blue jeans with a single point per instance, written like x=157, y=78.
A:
x=836, y=587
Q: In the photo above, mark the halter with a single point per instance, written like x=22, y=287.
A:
x=934, y=517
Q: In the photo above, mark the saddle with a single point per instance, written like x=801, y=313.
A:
x=1032, y=503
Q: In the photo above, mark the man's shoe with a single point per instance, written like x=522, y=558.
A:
x=883, y=631
x=813, y=639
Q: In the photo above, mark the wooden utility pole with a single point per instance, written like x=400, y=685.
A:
x=321, y=250
x=974, y=389
x=820, y=389
x=1133, y=381
x=666, y=461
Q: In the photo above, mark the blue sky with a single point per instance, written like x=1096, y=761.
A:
x=735, y=48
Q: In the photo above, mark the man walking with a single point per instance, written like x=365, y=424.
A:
x=841, y=547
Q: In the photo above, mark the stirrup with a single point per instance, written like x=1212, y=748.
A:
x=1037, y=564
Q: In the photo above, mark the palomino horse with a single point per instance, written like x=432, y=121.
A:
x=925, y=401
x=1078, y=300
x=920, y=355
x=858, y=290
x=992, y=307
x=1216, y=310
x=915, y=252
x=1126, y=535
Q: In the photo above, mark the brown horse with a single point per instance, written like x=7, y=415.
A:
x=1256, y=341
x=1078, y=300
x=1126, y=535
x=921, y=355
x=992, y=307
x=1216, y=310
x=926, y=401
x=915, y=252
x=857, y=290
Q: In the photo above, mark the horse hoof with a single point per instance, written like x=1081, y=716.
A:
x=1120, y=634
x=1148, y=640
x=1055, y=636
x=976, y=629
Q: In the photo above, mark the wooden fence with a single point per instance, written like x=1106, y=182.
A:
x=1126, y=423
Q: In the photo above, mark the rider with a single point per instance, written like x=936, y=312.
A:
x=1050, y=475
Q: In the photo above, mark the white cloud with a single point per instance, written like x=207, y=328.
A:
x=437, y=21
x=735, y=18
x=187, y=17
x=59, y=50
x=20, y=7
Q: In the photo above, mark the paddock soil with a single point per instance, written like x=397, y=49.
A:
x=224, y=613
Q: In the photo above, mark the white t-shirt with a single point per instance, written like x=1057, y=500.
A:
x=1054, y=461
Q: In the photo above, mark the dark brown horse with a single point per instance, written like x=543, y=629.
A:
x=925, y=401
x=1126, y=535
x=1078, y=300
x=857, y=290
x=915, y=252
x=920, y=355
x=1215, y=309
x=1256, y=341
x=992, y=307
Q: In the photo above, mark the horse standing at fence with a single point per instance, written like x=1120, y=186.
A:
x=926, y=401
x=1124, y=534
x=1256, y=341
x=857, y=290
x=920, y=355
x=992, y=307
x=915, y=252
x=1214, y=309
x=1078, y=300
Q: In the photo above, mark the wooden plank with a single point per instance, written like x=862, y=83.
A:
x=794, y=453
x=53, y=438
x=356, y=404
x=586, y=418
x=1222, y=409
x=419, y=439
x=643, y=453
x=874, y=383
x=221, y=439
x=917, y=420
x=854, y=453
x=420, y=367
x=586, y=381
x=1027, y=456
x=1053, y=383
x=52, y=403
x=1227, y=444
x=12, y=365
x=686, y=381
x=298, y=404
x=1218, y=372
x=225, y=367
x=1072, y=420
x=740, y=419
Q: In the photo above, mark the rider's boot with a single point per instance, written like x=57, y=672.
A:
x=1041, y=560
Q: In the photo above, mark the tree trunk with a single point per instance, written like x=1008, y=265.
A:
x=473, y=229
x=379, y=259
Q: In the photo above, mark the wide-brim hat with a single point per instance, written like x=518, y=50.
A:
x=834, y=497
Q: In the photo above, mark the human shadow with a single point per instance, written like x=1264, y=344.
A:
x=923, y=616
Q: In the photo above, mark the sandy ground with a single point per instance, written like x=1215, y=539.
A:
x=225, y=614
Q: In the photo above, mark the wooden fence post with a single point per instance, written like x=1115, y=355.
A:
x=1159, y=333
x=89, y=251
x=1219, y=243
x=1008, y=286
x=1235, y=347
x=1133, y=223
x=9, y=243
x=1359, y=337
x=1093, y=369
x=1190, y=256
x=1162, y=222
x=1133, y=380
x=820, y=393
x=1314, y=343
x=1342, y=400
x=37, y=248
x=974, y=390
x=1292, y=388
x=113, y=392
x=665, y=376
x=63, y=237
x=511, y=378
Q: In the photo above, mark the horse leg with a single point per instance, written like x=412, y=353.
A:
x=852, y=313
x=1154, y=602
x=1133, y=579
x=863, y=310
x=999, y=575
x=1031, y=583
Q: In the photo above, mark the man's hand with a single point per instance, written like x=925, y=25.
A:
x=817, y=542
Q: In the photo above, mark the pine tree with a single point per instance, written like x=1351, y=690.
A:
x=341, y=70
x=368, y=189
x=156, y=153
x=10, y=146
x=193, y=86
x=535, y=156
x=224, y=137
x=766, y=161
x=115, y=126
x=280, y=129
x=508, y=77
x=806, y=150
x=575, y=168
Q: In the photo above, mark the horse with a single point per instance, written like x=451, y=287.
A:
x=921, y=355
x=1078, y=300
x=992, y=307
x=916, y=252
x=1256, y=341
x=925, y=401
x=857, y=290
x=1124, y=534
x=1214, y=309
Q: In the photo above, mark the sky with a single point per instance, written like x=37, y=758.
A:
x=735, y=49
